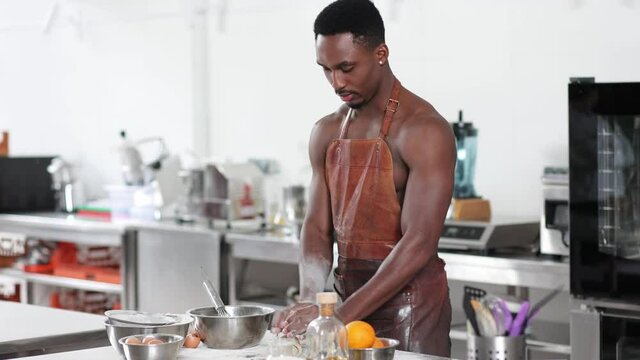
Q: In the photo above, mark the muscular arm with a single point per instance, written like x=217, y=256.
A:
x=428, y=149
x=317, y=244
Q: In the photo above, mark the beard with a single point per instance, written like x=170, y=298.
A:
x=357, y=103
x=355, y=106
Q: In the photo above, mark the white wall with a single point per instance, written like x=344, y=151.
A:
x=506, y=63
x=69, y=91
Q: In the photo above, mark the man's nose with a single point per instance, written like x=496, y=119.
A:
x=337, y=80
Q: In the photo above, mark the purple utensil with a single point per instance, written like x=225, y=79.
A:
x=498, y=317
x=508, y=318
x=517, y=327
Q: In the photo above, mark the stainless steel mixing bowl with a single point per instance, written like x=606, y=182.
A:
x=384, y=353
x=168, y=350
x=245, y=326
x=117, y=331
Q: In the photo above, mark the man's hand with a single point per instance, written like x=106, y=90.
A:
x=293, y=320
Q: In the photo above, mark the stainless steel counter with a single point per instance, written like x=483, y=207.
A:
x=62, y=226
x=258, y=352
x=27, y=329
x=51, y=225
x=516, y=270
x=155, y=257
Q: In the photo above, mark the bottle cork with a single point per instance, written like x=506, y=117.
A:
x=326, y=298
x=4, y=143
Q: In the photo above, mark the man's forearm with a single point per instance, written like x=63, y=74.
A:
x=315, y=264
x=397, y=270
x=313, y=276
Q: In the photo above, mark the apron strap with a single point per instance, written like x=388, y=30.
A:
x=390, y=110
x=345, y=124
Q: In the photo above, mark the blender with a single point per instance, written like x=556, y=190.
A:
x=466, y=204
x=466, y=145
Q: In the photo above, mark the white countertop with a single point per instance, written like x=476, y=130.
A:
x=258, y=352
x=62, y=221
x=21, y=322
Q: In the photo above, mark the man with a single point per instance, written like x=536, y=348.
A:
x=383, y=167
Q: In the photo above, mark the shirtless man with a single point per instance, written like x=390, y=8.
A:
x=383, y=168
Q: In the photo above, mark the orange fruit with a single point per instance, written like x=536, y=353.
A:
x=377, y=344
x=361, y=334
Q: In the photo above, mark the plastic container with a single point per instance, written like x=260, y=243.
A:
x=496, y=348
x=121, y=200
x=134, y=202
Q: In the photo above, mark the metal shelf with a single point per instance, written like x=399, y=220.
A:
x=63, y=281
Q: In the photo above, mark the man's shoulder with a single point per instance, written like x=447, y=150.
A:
x=329, y=125
x=424, y=131
x=422, y=118
x=333, y=119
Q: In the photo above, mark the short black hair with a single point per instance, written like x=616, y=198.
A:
x=358, y=17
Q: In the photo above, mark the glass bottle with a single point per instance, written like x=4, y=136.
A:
x=326, y=336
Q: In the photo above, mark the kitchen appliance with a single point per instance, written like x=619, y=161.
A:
x=295, y=207
x=25, y=184
x=466, y=204
x=554, y=219
x=466, y=145
x=502, y=233
x=604, y=173
x=604, y=218
x=141, y=159
x=233, y=191
x=68, y=192
x=189, y=205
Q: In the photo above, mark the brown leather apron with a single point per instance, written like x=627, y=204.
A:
x=366, y=220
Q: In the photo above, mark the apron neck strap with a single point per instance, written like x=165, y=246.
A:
x=345, y=124
x=390, y=110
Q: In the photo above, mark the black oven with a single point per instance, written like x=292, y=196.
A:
x=25, y=184
x=604, y=220
x=604, y=190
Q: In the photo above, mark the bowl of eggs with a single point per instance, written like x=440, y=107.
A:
x=151, y=347
x=119, y=328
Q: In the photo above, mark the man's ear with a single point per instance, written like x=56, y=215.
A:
x=382, y=54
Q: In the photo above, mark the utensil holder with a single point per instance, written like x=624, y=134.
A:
x=496, y=348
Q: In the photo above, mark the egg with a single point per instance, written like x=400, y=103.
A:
x=133, y=341
x=155, y=342
x=191, y=341
x=147, y=339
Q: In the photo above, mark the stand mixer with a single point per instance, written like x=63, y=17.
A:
x=141, y=196
x=135, y=170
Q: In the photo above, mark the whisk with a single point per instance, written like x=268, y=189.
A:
x=213, y=294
